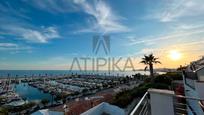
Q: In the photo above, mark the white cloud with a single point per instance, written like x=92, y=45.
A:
x=151, y=50
x=14, y=22
x=193, y=48
x=172, y=36
x=14, y=48
x=101, y=18
x=39, y=35
x=8, y=45
x=9, y=10
x=175, y=9
x=106, y=19
x=53, y=6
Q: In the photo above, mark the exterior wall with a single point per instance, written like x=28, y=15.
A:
x=194, y=88
x=199, y=87
x=200, y=74
x=195, y=93
x=190, y=83
x=161, y=102
x=189, y=92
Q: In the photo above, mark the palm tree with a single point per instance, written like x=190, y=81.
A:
x=150, y=60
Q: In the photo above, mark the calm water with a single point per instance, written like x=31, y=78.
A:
x=34, y=94
x=28, y=73
x=31, y=93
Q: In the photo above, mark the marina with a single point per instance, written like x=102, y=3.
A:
x=55, y=90
x=55, y=73
x=101, y=57
x=30, y=93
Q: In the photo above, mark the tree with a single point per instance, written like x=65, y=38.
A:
x=181, y=68
x=150, y=60
x=44, y=102
x=3, y=111
x=57, y=98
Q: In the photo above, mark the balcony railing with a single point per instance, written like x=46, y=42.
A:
x=189, y=78
x=188, y=105
x=143, y=106
x=182, y=105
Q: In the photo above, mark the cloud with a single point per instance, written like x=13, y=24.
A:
x=12, y=11
x=189, y=51
x=31, y=34
x=172, y=36
x=175, y=9
x=101, y=18
x=105, y=19
x=14, y=48
x=151, y=50
x=8, y=45
x=14, y=22
x=187, y=48
x=38, y=36
x=53, y=6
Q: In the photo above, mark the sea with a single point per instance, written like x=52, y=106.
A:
x=33, y=94
x=30, y=73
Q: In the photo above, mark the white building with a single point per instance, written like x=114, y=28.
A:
x=193, y=79
x=166, y=102
x=106, y=109
x=47, y=112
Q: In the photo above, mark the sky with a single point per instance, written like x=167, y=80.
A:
x=49, y=34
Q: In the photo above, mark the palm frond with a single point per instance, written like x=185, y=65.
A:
x=149, y=59
x=144, y=62
x=157, y=62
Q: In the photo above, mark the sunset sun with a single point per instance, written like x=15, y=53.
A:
x=175, y=55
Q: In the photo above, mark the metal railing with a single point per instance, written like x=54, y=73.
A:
x=143, y=106
x=183, y=105
x=187, y=105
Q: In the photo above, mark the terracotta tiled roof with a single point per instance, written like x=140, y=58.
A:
x=77, y=107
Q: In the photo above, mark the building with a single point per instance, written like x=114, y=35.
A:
x=47, y=112
x=167, y=102
x=193, y=80
x=104, y=109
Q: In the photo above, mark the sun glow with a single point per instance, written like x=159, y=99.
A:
x=175, y=55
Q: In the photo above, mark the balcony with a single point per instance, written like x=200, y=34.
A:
x=189, y=78
x=143, y=106
x=160, y=102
